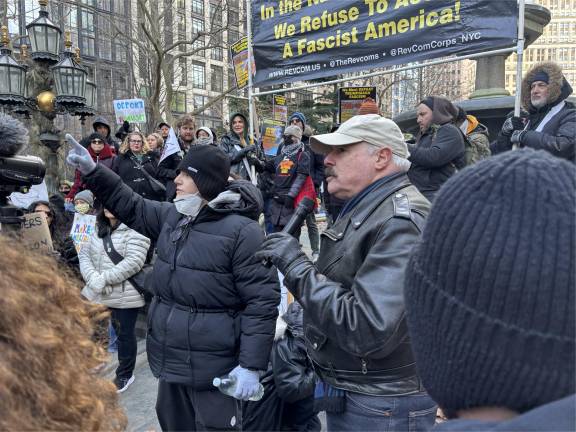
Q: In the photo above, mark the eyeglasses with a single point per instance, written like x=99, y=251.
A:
x=97, y=141
x=135, y=142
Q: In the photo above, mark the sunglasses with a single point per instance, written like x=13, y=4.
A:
x=97, y=141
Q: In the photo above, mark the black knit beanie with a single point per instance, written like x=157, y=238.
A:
x=490, y=289
x=209, y=167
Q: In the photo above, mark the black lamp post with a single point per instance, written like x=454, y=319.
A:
x=59, y=85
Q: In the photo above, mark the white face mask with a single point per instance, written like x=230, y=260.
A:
x=204, y=141
x=189, y=205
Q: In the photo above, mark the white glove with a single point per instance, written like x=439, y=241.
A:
x=97, y=284
x=79, y=157
x=247, y=382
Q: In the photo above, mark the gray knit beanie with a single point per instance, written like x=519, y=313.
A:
x=490, y=289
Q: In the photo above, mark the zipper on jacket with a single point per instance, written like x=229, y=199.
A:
x=364, y=368
x=164, y=341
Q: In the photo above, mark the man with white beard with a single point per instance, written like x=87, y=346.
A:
x=551, y=121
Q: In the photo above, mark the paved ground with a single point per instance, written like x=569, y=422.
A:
x=140, y=398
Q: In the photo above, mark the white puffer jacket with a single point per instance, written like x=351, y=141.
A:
x=107, y=283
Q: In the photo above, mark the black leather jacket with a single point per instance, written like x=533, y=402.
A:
x=353, y=299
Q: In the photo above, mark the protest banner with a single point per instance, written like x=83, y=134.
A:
x=239, y=54
x=279, y=108
x=82, y=229
x=131, y=110
x=295, y=40
x=350, y=99
x=171, y=145
x=272, y=132
x=35, y=233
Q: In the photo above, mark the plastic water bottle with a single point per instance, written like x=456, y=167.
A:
x=227, y=385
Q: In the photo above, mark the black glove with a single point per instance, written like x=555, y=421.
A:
x=517, y=136
x=289, y=202
x=126, y=126
x=283, y=250
x=246, y=150
x=511, y=124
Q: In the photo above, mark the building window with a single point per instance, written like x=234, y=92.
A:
x=104, y=4
x=179, y=101
x=120, y=51
x=216, y=13
x=198, y=7
x=217, y=54
x=181, y=4
x=119, y=7
x=198, y=75
x=197, y=27
x=233, y=17
x=87, y=46
x=216, y=79
x=233, y=36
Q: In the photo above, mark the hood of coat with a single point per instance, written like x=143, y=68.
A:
x=240, y=197
x=475, y=126
x=443, y=110
x=559, y=89
x=101, y=121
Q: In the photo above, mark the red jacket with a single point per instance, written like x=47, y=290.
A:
x=105, y=158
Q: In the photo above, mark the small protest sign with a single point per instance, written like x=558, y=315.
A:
x=272, y=131
x=131, y=110
x=239, y=55
x=350, y=99
x=35, y=232
x=82, y=229
x=279, y=108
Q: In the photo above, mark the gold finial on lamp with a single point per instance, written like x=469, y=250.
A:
x=23, y=51
x=5, y=40
x=43, y=3
x=77, y=55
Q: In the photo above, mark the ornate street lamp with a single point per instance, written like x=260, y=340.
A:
x=12, y=75
x=70, y=79
x=44, y=36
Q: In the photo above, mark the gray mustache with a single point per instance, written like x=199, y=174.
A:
x=329, y=172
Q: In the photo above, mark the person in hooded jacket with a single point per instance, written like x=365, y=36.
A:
x=439, y=150
x=551, y=121
x=236, y=145
x=205, y=135
x=108, y=284
x=134, y=158
x=102, y=127
x=476, y=134
x=215, y=305
x=101, y=153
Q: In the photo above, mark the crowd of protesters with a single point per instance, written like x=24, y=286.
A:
x=443, y=283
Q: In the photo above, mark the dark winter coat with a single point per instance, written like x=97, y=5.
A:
x=316, y=163
x=232, y=146
x=166, y=172
x=558, y=136
x=557, y=416
x=289, y=178
x=105, y=157
x=129, y=168
x=215, y=305
x=435, y=157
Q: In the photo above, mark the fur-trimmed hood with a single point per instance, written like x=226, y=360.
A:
x=558, y=87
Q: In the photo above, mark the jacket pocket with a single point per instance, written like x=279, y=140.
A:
x=315, y=338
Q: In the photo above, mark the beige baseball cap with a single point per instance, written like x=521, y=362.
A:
x=371, y=128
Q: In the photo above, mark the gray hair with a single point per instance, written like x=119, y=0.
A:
x=401, y=163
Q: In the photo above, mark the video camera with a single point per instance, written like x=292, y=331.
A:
x=17, y=173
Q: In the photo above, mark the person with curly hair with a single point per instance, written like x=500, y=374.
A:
x=46, y=378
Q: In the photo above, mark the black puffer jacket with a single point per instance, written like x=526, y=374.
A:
x=130, y=171
x=215, y=305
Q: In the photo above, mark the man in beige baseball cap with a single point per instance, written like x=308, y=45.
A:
x=353, y=296
x=362, y=150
